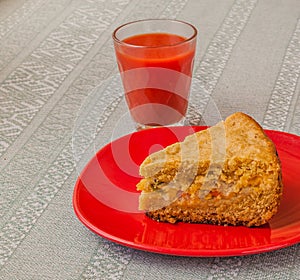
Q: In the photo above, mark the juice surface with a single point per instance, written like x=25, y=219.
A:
x=154, y=39
x=159, y=50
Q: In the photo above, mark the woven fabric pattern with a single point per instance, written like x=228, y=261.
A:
x=54, y=56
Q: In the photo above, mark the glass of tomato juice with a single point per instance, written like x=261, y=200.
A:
x=155, y=58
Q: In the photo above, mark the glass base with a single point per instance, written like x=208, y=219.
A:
x=140, y=126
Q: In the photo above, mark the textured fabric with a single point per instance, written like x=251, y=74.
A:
x=61, y=100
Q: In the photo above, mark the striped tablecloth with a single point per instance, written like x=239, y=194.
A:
x=55, y=55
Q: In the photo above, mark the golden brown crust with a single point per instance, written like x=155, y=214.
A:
x=245, y=187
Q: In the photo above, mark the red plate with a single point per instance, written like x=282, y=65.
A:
x=105, y=200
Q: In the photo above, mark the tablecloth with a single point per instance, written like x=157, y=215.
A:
x=61, y=100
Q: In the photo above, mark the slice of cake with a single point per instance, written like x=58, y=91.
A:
x=228, y=174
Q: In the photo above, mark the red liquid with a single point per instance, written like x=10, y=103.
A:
x=154, y=94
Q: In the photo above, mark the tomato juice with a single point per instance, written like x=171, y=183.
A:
x=156, y=70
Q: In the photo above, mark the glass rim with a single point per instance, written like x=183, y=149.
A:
x=117, y=40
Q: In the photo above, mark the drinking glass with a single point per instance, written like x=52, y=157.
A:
x=155, y=59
